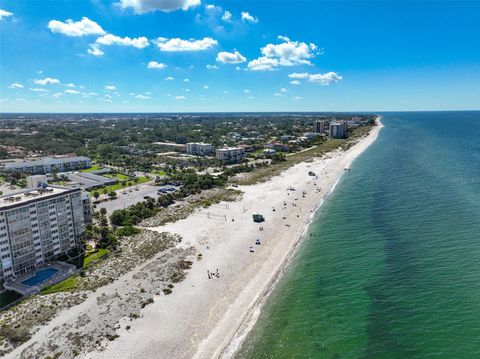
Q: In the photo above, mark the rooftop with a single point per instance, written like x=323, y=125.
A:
x=30, y=195
x=38, y=161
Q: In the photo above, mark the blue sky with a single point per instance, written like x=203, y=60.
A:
x=197, y=55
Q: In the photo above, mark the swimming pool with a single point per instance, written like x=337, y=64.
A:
x=40, y=277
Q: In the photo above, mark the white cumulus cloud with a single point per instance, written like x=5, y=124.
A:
x=143, y=6
x=322, y=79
x=142, y=97
x=287, y=53
x=156, y=65
x=326, y=78
x=16, y=85
x=95, y=50
x=110, y=88
x=76, y=28
x=72, y=92
x=5, y=14
x=246, y=17
x=227, y=16
x=36, y=89
x=212, y=67
x=177, y=45
x=47, y=81
x=296, y=75
x=230, y=57
x=169, y=78
x=180, y=97
x=263, y=63
x=109, y=39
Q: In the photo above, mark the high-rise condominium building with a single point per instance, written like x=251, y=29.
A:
x=36, y=226
x=338, y=129
x=320, y=126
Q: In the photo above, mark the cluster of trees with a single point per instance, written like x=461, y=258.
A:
x=14, y=178
x=137, y=212
x=107, y=236
x=103, y=235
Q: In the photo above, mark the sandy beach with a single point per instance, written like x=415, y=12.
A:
x=208, y=318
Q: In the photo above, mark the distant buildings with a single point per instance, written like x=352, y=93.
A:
x=171, y=145
x=310, y=135
x=320, y=126
x=44, y=165
x=199, y=149
x=277, y=146
x=37, y=226
x=230, y=154
x=338, y=129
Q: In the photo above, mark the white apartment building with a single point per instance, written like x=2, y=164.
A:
x=46, y=165
x=230, y=154
x=338, y=129
x=199, y=148
x=38, y=225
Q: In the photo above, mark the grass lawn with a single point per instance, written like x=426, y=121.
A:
x=65, y=286
x=94, y=256
x=119, y=176
x=93, y=168
x=159, y=173
x=118, y=186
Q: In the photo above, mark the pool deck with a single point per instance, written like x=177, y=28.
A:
x=63, y=271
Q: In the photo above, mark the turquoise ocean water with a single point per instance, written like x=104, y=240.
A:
x=392, y=266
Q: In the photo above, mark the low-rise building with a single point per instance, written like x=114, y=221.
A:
x=45, y=165
x=230, y=154
x=199, y=148
x=180, y=147
x=310, y=135
x=37, y=226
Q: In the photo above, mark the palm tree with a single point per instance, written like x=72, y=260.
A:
x=96, y=195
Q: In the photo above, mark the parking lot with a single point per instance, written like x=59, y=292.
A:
x=131, y=196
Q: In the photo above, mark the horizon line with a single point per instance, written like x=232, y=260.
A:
x=227, y=112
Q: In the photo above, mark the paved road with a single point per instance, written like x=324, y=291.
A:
x=131, y=196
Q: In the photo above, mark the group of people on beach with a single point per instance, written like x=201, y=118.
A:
x=212, y=275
